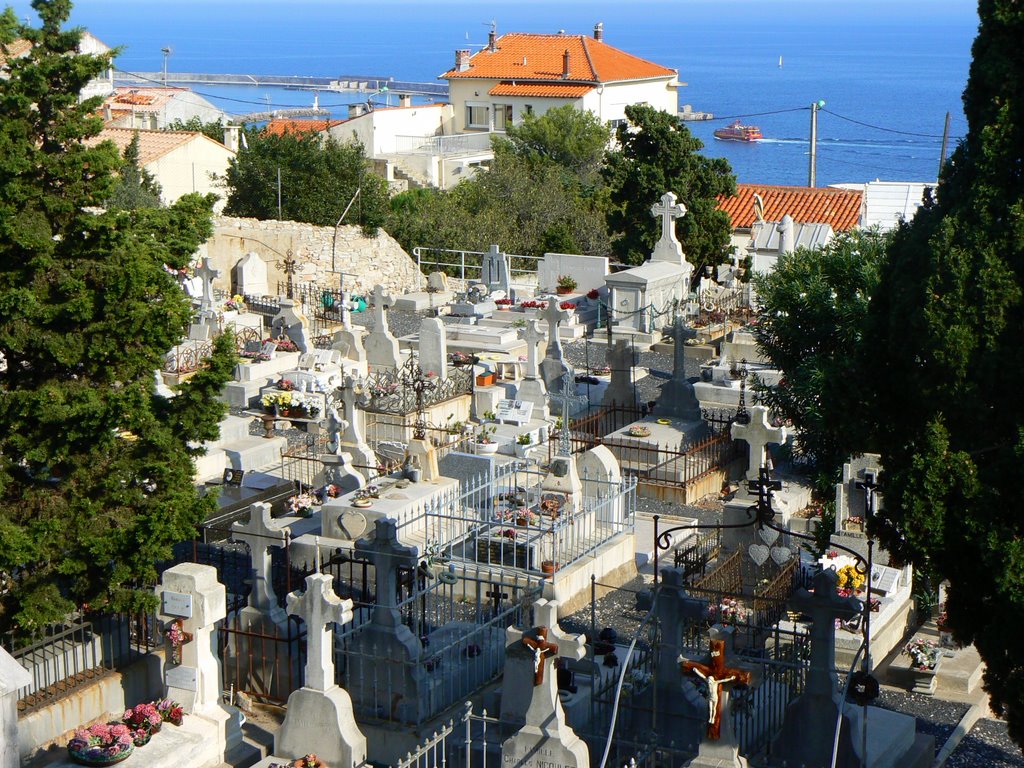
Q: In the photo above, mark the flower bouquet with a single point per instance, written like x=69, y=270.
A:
x=301, y=505
x=144, y=720
x=924, y=654
x=236, y=303
x=284, y=344
x=170, y=711
x=639, y=431
x=309, y=761
x=101, y=744
x=849, y=578
x=729, y=611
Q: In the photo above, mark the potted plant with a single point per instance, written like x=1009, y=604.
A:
x=925, y=656
x=144, y=720
x=566, y=284
x=170, y=711
x=593, y=294
x=523, y=445
x=489, y=415
x=309, y=761
x=504, y=304
x=101, y=744
x=485, y=444
x=485, y=379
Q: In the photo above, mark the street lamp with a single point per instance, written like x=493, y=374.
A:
x=166, y=52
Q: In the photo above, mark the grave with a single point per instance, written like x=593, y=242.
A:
x=381, y=346
x=338, y=469
x=544, y=738
x=433, y=298
x=259, y=534
x=589, y=272
x=553, y=368
x=319, y=715
x=290, y=322
x=677, y=400
x=236, y=449
x=532, y=388
x=207, y=310
x=623, y=358
x=433, y=347
x=494, y=272
x=251, y=275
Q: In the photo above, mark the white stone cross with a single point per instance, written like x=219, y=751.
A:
x=554, y=315
x=669, y=211
x=387, y=555
x=758, y=434
x=207, y=274
x=568, y=398
x=261, y=533
x=545, y=614
x=380, y=302
x=346, y=311
x=318, y=606
x=334, y=426
x=533, y=336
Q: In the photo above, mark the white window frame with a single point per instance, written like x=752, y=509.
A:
x=472, y=105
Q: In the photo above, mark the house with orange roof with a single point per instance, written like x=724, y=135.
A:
x=519, y=73
x=180, y=161
x=156, y=107
x=101, y=85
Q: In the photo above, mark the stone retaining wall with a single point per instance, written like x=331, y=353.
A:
x=367, y=261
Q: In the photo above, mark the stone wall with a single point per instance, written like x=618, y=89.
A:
x=367, y=261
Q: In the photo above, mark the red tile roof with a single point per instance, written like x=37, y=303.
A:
x=552, y=90
x=279, y=126
x=15, y=49
x=839, y=208
x=518, y=56
x=152, y=144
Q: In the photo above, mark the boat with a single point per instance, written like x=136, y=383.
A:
x=737, y=132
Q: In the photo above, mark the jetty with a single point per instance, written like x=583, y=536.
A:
x=339, y=83
x=687, y=114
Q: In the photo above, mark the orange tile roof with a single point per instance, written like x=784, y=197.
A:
x=152, y=144
x=518, y=56
x=279, y=126
x=541, y=89
x=144, y=99
x=15, y=49
x=839, y=208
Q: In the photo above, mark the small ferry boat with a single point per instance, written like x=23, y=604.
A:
x=737, y=132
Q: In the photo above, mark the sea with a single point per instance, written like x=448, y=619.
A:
x=887, y=72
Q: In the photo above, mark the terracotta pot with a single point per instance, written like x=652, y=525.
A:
x=485, y=380
x=563, y=291
x=548, y=567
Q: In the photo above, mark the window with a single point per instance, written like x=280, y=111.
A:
x=477, y=117
x=502, y=116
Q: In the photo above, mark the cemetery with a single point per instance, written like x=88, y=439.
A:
x=424, y=501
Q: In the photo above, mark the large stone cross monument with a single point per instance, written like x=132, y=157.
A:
x=260, y=533
x=668, y=247
x=758, y=434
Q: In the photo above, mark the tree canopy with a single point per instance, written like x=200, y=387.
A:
x=136, y=187
x=319, y=178
x=946, y=367
x=96, y=472
x=658, y=154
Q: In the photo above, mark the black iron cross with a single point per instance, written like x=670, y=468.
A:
x=288, y=267
x=764, y=487
x=419, y=384
x=742, y=416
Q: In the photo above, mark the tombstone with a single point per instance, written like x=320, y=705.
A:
x=251, y=275
x=544, y=736
x=494, y=271
x=384, y=654
x=194, y=601
x=290, y=322
x=600, y=474
x=207, y=274
x=850, y=492
x=381, y=347
x=808, y=731
x=349, y=342
x=758, y=434
x=677, y=400
x=674, y=608
x=553, y=367
x=532, y=388
x=433, y=347
x=337, y=469
x=260, y=533
x=13, y=676
x=622, y=359
x=353, y=395
x=668, y=248
x=198, y=332
x=319, y=716
x=719, y=748
x=437, y=282
x=423, y=454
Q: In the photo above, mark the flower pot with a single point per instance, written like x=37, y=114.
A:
x=548, y=567
x=522, y=450
x=485, y=379
x=522, y=521
x=486, y=449
x=143, y=740
x=99, y=756
x=923, y=681
x=563, y=291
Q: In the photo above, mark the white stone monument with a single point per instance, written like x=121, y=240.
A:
x=668, y=248
x=260, y=533
x=12, y=677
x=433, y=347
x=532, y=388
x=251, y=275
x=381, y=346
x=758, y=434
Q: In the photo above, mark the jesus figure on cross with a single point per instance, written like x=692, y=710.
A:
x=716, y=675
x=542, y=649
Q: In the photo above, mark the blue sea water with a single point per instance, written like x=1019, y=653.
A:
x=888, y=71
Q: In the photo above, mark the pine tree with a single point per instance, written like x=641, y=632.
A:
x=946, y=364
x=96, y=472
x=136, y=187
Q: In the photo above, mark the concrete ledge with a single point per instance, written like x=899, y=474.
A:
x=613, y=564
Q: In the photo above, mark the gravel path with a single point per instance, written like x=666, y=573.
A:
x=988, y=745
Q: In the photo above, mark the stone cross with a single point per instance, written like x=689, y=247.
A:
x=334, y=425
x=546, y=640
x=318, y=607
x=674, y=607
x=758, y=434
x=380, y=302
x=554, y=315
x=669, y=211
x=207, y=274
x=567, y=398
x=824, y=606
x=387, y=555
x=354, y=394
x=260, y=533
x=533, y=336
x=716, y=674
x=346, y=311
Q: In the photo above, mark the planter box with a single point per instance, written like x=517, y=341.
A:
x=924, y=680
x=485, y=379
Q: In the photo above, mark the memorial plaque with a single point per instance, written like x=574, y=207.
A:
x=185, y=678
x=514, y=411
x=177, y=604
x=269, y=348
x=307, y=361
x=234, y=477
x=884, y=579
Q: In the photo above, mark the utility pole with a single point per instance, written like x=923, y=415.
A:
x=166, y=52
x=945, y=140
x=279, y=193
x=812, y=171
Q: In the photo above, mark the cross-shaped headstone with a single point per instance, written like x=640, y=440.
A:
x=318, y=607
x=381, y=301
x=554, y=316
x=346, y=311
x=758, y=434
x=716, y=674
x=824, y=606
x=567, y=398
x=260, y=533
x=545, y=639
x=334, y=426
x=207, y=274
x=669, y=211
x=533, y=336
x=387, y=555
x=674, y=608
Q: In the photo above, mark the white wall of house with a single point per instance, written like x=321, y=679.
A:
x=609, y=101
x=381, y=130
x=191, y=168
x=103, y=84
x=183, y=106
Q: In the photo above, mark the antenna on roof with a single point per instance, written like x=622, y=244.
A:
x=492, y=36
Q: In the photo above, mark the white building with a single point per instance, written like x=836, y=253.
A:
x=518, y=74
x=887, y=203
x=156, y=107
x=101, y=85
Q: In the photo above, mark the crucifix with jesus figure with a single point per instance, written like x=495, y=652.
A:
x=542, y=650
x=716, y=674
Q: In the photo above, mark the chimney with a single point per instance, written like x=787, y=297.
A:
x=231, y=137
x=492, y=39
x=565, y=65
x=405, y=100
x=461, y=59
x=599, y=32
x=355, y=110
x=108, y=114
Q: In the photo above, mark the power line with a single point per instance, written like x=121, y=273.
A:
x=754, y=114
x=887, y=130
